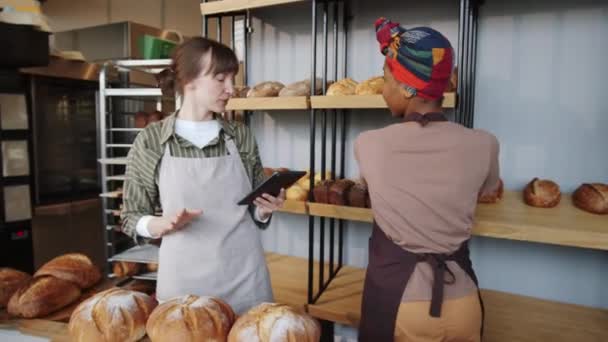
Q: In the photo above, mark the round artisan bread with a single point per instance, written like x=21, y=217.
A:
x=592, y=198
x=114, y=315
x=190, y=319
x=542, y=193
x=10, y=281
x=275, y=322
x=42, y=296
x=74, y=267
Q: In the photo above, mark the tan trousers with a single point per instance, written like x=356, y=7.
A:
x=460, y=321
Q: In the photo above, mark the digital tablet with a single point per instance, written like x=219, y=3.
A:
x=273, y=185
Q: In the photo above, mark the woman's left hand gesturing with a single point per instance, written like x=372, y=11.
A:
x=267, y=204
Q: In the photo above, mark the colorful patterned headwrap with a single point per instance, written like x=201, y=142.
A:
x=421, y=59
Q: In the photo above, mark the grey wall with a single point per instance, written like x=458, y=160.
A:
x=540, y=89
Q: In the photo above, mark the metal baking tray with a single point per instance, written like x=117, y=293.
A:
x=141, y=254
x=146, y=276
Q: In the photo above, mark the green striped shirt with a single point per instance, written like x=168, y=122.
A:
x=140, y=193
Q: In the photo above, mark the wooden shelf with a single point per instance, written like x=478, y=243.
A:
x=268, y=103
x=508, y=317
x=341, y=212
x=363, y=101
x=226, y=6
x=563, y=225
x=509, y=219
x=295, y=207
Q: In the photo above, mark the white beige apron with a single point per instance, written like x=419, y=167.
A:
x=220, y=253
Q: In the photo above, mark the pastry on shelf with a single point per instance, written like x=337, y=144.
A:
x=240, y=92
x=373, y=86
x=453, y=84
x=321, y=191
x=592, y=197
x=266, y=89
x=542, y=193
x=343, y=87
x=125, y=269
x=165, y=80
x=493, y=197
x=114, y=315
x=152, y=267
x=358, y=196
x=279, y=321
x=191, y=318
x=141, y=119
x=10, y=281
x=155, y=116
x=338, y=191
x=296, y=193
x=301, y=88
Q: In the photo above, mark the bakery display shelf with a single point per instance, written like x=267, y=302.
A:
x=134, y=92
x=340, y=212
x=112, y=194
x=113, y=161
x=510, y=219
x=268, y=103
x=119, y=145
x=141, y=254
x=535, y=319
x=126, y=129
x=112, y=212
x=227, y=6
x=116, y=178
x=294, y=207
x=364, y=101
x=146, y=276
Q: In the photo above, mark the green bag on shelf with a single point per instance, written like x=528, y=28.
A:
x=151, y=47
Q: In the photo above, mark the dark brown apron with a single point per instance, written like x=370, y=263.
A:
x=390, y=268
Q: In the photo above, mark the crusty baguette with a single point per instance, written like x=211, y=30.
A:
x=42, y=296
x=74, y=267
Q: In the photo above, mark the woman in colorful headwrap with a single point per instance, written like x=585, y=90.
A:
x=424, y=176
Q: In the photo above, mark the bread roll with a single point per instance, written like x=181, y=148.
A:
x=338, y=191
x=125, y=269
x=266, y=89
x=152, y=267
x=165, y=80
x=296, y=193
x=114, y=315
x=453, y=84
x=74, y=267
x=10, y=281
x=358, y=196
x=542, y=193
x=42, y=296
x=346, y=86
x=155, y=116
x=190, y=319
x=373, y=86
x=141, y=119
x=240, y=92
x=275, y=322
x=592, y=198
x=301, y=88
x=492, y=197
x=304, y=183
x=321, y=191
